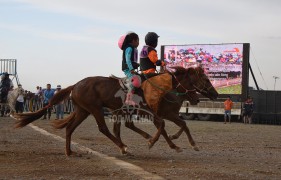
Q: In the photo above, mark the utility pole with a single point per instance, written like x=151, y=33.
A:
x=275, y=77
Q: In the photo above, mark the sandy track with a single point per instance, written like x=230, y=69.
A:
x=227, y=151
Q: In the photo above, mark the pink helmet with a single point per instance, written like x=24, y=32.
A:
x=121, y=40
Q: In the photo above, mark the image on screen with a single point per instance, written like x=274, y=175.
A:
x=221, y=62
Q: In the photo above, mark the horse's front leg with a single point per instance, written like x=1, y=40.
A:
x=176, y=135
x=160, y=124
x=165, y=135
x=130, y=124
x=117, y=132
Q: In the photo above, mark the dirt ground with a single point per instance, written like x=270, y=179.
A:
x=227, y=151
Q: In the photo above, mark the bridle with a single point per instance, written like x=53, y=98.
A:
x=200, y=82
x=180, y=85
x=177, y=93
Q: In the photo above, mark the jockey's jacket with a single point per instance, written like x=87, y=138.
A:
x=149, y=60
x=133, y=58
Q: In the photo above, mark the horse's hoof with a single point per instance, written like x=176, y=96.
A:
x=73, y=154
x=150, y=144
x=123, y=150
x=67, y=154
x=195, y=148
x=178, y=149
x=128, y=154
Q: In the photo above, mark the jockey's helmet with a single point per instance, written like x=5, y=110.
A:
x=151, y=39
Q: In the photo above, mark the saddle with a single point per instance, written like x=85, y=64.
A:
x=122, y=81
x=155, y=88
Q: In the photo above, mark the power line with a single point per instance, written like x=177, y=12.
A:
x=258, y=68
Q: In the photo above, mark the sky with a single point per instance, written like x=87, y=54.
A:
x=64, y=41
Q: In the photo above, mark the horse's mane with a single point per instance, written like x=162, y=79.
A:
x=181, y=70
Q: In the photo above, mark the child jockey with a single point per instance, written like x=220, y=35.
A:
x=148, y=56
x=129, y=63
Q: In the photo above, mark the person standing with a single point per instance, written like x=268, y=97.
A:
x=227, y=109
x=48, y=94
x=36, y=102
x=41, y=97
x=248, y=109
x=20, y=101
x=60, y=106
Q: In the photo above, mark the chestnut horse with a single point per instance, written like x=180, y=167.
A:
x=90, y=95
x=172, y=102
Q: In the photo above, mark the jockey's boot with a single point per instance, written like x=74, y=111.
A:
x=129, y=99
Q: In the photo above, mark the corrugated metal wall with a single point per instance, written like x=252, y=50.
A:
x=267, y=107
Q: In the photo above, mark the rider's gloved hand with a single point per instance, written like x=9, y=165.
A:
x=158, y=63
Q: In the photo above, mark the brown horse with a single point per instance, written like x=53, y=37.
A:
x=90, y=95
x=172, y=102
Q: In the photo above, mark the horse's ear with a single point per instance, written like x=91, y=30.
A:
x=191, y=71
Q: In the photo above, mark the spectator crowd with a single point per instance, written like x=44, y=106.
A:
x=33, y=101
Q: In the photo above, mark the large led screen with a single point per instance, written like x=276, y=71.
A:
x=221, y=62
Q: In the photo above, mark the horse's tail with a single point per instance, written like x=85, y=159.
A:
x=59, y=124
x=26, y=118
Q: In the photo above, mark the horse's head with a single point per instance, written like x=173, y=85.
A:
x=201, y=82
x=184, y=86
x=197, y=79
x=193, y=97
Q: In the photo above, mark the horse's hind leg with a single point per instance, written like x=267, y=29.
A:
x=79, y=117
x=97, y=113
